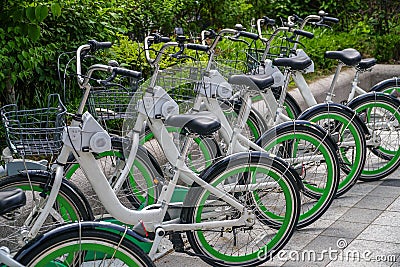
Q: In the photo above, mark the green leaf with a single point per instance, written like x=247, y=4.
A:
x=55, y=9
x=25, y=54
x=30, y=13
x=41, y=13
x=33, y=32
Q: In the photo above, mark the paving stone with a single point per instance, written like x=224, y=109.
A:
x=334, y=213
x=391, y=182
x=324, y=243
x=362, y=189
x=299, y=240
x=307, y=259
x=375, y=202
x=347, y=200
x=345, y=229
x=395, y=205
x=317, y=227
x=180, y=260
x=388, y=218
x=382, y=233
x=360, y=215
x=386, y=191
x=397, y=263
x=346, y=262
x=369, y=250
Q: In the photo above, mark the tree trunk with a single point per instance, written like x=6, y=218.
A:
x=9, y=93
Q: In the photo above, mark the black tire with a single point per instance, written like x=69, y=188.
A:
x=309, y=150
x=88, y=242
x=280, y=198
x=381, y=113
x=347, y=130
x=71, y=205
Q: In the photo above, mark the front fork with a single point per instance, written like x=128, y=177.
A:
x=43, y=212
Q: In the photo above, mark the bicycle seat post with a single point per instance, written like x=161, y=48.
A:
x=186, y=144
x=330, y=93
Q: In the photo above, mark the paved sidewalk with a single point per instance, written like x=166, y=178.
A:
x=362, y=228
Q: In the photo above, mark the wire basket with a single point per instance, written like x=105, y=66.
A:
x=111, y=101
x=180, y=82
x=109, y=104
x=35, y=131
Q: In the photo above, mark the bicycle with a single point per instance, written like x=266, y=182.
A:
x=383, y=108
x=73, y=243
x=220, y=201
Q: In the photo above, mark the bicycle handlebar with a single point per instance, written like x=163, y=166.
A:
x=151, y=39
x=331, y=19
x=95, y=45
x=127, y=72
x=307, y=34
x=197, y=47
x=250, y=35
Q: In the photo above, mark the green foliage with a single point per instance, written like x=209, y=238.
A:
x=34, y=33
x=387, y=48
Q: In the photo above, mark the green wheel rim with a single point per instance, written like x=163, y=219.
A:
x=330, y=171
x=67, y=212
x=151, y=190
x=91, y=250
x=395, y=154
x=353, y=130
x=266, y=248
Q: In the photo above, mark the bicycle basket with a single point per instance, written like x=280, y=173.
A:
x=180, y=82
x=35, y=131
x=110, y=102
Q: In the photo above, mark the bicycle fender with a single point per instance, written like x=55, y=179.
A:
x=41, y=173
x=80, y=227
x=373, y=96
x=395, y=81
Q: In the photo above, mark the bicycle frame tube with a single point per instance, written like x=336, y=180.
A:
x=305, y=90
x=355, y=88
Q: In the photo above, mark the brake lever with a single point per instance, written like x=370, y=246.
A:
x=290, y=39
x=323, y=25
x=183, y=56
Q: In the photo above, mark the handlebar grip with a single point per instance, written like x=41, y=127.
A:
x=165, y=39
x=197, y=47
x=250, y=35
x=95, y=45
x=126, y=72
x=307, y=34
x=268, y=21
x=331, y=19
